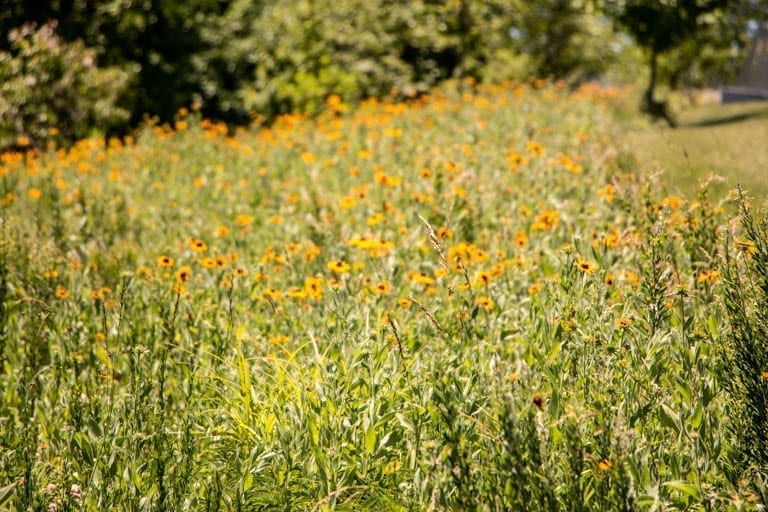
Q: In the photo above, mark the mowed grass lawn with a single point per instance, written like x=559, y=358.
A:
x=730, y=141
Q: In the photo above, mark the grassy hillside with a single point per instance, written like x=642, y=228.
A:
x=473, y=301
x=728, y=141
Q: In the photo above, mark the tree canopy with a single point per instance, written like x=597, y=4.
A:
x=236, y=57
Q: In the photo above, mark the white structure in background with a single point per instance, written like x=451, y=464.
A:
x=752, y=84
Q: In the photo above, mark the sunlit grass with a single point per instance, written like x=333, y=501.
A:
x=723, y=140
x=469, y=301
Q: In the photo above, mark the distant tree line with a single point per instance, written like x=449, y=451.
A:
x=68, y=66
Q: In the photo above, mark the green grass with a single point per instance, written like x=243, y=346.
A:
x=469, y=302
x=722, y=140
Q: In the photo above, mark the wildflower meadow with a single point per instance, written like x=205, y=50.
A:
x=471, y=300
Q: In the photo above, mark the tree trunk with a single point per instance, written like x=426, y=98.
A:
x=648, y=97
x=655, y=109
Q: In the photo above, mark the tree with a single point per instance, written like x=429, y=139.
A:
x=660, y=27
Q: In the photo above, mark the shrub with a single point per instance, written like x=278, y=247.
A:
x=51, y=88
x=746, y=376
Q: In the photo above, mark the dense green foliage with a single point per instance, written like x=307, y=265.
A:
x=51, y=90
x=238, y=58
x=373, y=310
x=688, y=42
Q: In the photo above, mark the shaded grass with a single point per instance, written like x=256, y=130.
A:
x=722, y=140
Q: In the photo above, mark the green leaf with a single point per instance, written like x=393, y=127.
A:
x=685, y=391
x=697, y=417
x=83, y=443
x=684, y=487
x=6, y=493
x=370, y=440
x=667, y=418
x=248, y=482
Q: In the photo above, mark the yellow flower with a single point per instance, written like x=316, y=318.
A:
x=631, y=278
x=605, y=465
x=297, y=294
x=381, y=288
x=313, y=286
x=239, y=272
x=338, y=266
x=183, y=274
x=535, y=149
x=420, y=278
x=208, y=262
x=222, y=231
x=746, y=246
x=244, y=219
x=197, y=245
x=534, y=289
x=546, y=220
x=708, y=276
x=515, y=159
x=34, y=193
x=521, y=239
x=485, y=302
x=482, y=278
x=385, y=180
x=347, y=202
x=375, y=219
x=444, y=233
x=61, y=293
x=586, y=266
x=623, y=323
x=273, y=294
x=164, y=262
x=607, y=192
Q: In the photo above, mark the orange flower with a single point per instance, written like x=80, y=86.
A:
x=197, y=245
x=444, y=233
x=482, y=278
x=183, y=274
x=521, y=240
x=313, y=286
x=244, y=219
x=381, y=288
